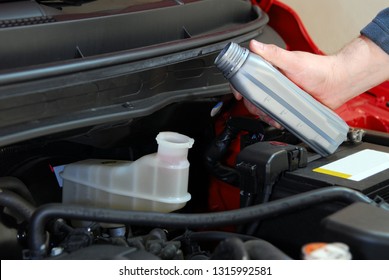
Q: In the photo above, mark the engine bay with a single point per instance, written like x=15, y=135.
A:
x=270, y=197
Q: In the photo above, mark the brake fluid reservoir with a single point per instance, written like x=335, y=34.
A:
x=155, y=182
x=269, y=90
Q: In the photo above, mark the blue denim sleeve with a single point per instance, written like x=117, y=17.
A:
x=378, y=30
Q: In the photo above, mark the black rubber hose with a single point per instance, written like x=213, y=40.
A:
x=263, y=250
x=216, y=152
x=230, y=249
x=50, y=211
x=16, y=203
x=213, y=236
x=257, y=249
x=17, y=186
x=219, y=148
x=25, y=209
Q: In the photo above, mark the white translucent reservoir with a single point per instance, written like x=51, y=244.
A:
x=156, y=182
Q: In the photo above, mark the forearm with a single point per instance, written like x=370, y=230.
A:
x=367, y=58
x=361, y=65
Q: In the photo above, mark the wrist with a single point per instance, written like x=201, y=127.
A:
x=361, y=66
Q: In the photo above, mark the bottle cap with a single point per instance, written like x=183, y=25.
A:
x=326, y=251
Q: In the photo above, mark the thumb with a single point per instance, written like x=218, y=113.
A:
x=278, y=57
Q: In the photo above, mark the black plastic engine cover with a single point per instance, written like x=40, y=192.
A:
x=363, y=227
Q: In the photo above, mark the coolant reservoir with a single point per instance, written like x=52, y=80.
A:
x=155, y=182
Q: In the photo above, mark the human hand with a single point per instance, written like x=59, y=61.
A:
x=297, y=66
x=330, y=79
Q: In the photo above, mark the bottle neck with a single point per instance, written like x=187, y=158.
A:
x=230, y=59
x=173, y=147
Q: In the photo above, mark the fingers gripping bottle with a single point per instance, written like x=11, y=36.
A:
x=269, y=90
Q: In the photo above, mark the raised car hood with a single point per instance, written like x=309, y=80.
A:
x=89, y=70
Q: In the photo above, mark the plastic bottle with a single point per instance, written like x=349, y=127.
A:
x=155, y=182
x=269, y=90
